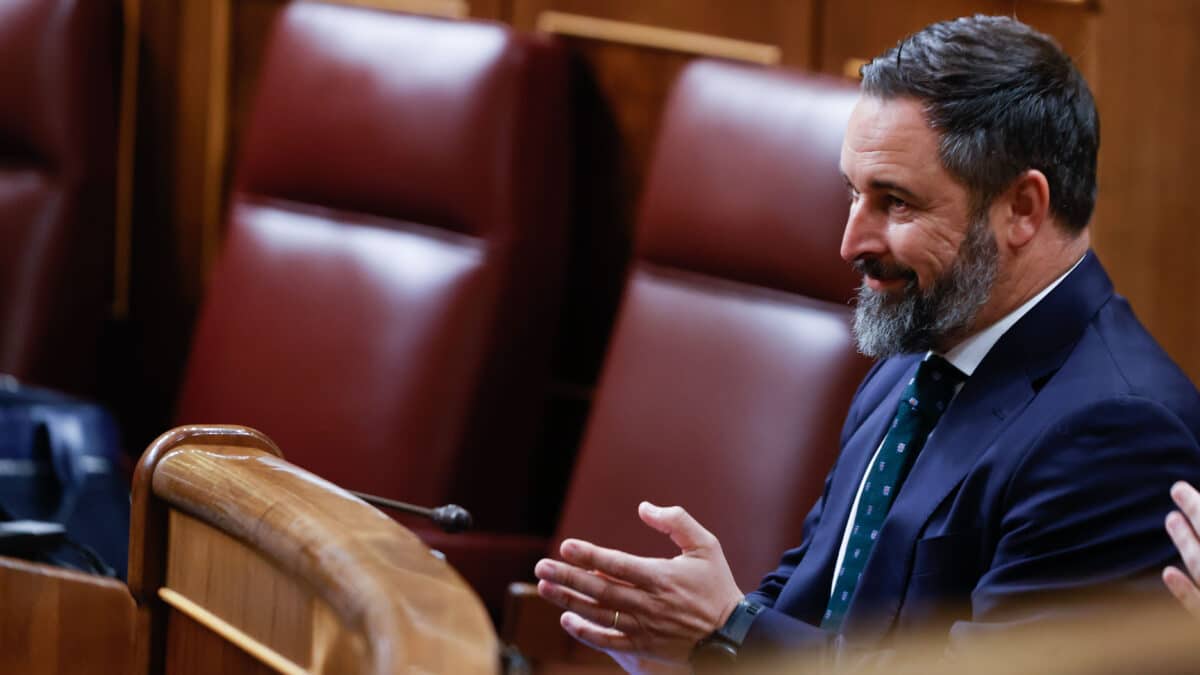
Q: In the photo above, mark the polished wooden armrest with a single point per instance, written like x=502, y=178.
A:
x=241, y=561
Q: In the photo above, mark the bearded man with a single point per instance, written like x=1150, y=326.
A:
x=1014, y=444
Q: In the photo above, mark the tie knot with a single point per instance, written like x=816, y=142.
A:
x=933, y=386
x=936, y=369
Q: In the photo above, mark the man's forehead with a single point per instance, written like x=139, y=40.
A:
x=886, y=132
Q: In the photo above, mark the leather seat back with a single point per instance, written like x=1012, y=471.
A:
x=732, y=363
x=57, y=153
x=387, y=294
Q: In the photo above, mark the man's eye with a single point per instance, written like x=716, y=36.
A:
x=894, y=202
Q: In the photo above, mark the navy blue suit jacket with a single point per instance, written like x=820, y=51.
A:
x=1049, y=472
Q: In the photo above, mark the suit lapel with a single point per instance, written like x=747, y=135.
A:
x=970, y=425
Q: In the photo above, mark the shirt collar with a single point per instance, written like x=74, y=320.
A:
x=968, y=354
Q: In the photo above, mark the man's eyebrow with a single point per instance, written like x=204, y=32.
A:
x=884, y=185
x=889, y=186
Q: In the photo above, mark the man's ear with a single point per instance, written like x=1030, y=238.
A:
x=1028, y=207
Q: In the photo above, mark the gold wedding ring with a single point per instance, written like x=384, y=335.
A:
x=616, y=617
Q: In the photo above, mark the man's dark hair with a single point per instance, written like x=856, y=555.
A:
x=1004, y=99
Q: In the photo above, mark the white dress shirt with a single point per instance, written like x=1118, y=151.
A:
x=966, y=356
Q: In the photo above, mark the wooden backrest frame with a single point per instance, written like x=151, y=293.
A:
x=403, y=607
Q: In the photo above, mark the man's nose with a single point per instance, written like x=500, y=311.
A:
x=863, y=233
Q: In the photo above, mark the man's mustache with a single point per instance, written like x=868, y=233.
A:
x=877, y=269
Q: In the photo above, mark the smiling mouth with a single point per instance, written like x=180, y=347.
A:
x=879, y=274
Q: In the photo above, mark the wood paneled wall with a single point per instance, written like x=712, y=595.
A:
x=199, y=60
x=1147, y=224
x=852, y=31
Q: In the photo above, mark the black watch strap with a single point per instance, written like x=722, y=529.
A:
x=739, y=622
x=718, y=652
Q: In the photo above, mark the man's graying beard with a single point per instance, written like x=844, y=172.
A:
x=914, y=321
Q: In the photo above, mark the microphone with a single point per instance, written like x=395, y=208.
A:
x=452, y=518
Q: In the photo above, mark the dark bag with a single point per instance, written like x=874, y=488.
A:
x=60, y=461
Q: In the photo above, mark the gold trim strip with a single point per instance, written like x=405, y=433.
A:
x=450, y=9
x=216, y=143
x=126, y=147
x=1089, y=5
x=640, y=35
x=216, y=624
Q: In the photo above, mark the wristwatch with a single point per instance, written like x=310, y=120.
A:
x=718, y=651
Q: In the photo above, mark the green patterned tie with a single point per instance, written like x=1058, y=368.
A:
x=923, y=402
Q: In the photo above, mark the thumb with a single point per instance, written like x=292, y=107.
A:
x=677, y=524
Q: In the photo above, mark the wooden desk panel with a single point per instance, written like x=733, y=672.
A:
x=230, y=580
x=193, y=649
x=59, y=622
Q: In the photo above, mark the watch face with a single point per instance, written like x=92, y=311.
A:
x=713, y=655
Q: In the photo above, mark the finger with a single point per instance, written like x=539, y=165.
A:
x=595, y=586
x=611, y=563
x=565, y=597
x=1183, y=589
x=678, y=524
x=1188, y=500
x=596, y=637
x=576, y=602
x=1186, y=541
x=582, y=605
x=612, y=578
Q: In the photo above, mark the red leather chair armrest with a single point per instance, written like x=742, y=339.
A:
x=531, y=625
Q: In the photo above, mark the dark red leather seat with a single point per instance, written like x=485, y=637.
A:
x=386, y=296
x=732, y=362
x=57, y=152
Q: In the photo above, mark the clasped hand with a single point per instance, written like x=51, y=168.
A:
x=647, y=613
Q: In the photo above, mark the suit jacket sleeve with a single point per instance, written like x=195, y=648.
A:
x=1084, y=512
x=773, y=630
